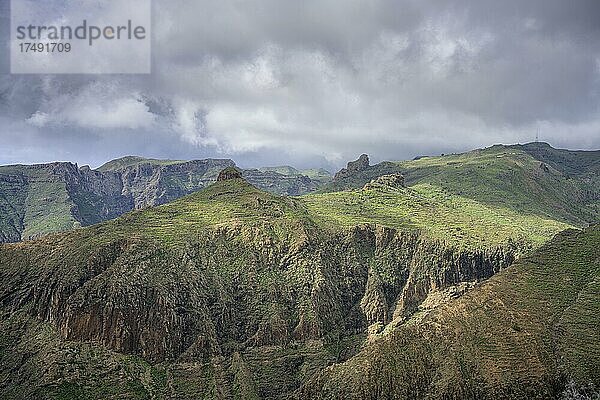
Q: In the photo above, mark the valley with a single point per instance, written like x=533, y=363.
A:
x=406, y=282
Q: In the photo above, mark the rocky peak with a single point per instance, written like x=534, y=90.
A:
x=395, y=181
x=228, y=174
x=354, y=166
x=359, y=165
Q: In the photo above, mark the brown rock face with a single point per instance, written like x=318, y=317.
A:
x=354, y=166
x=358, y=165
x=137, y=297
x=229, y=173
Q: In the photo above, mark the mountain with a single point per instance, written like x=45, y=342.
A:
x=358, y=173
x=40, y=199
x=534, y=179
x=132, y=161
x=531, y=331
x=233, y=292
x=317, y=174
x=283, y=170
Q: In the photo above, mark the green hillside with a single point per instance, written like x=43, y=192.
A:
x=423, y=208
x=437, y=211
x=34, y=202
x=523, y=334
x=532, y=179
x=235, y=292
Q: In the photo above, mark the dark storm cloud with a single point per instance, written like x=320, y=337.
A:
x=317, y=82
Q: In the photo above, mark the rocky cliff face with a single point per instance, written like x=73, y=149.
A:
x=528, y=332
x=392, y=181
x=353, y=167
x=153, y=184
x=12, y=206
x=235, y=294
x=291, y=185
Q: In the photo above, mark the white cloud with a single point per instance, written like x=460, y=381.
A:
x=38, y=119
x=96, y=106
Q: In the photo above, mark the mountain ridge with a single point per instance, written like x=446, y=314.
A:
x=80, y=196
x=229, y=278
x=40, y=199
x=501, y=174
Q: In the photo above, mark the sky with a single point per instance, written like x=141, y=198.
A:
x=315, y=83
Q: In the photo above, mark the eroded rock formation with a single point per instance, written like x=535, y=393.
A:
x=161, y=303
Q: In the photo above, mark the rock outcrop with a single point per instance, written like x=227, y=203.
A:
x=161, y=303
x=228, y=174
x=392, y=181
x=359, y=173
x=353, y=167
x=528, y=332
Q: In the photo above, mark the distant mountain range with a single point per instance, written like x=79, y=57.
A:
x=533, y=178
x=46, y=198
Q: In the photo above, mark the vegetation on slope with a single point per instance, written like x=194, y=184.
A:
x=228, y=290
x=40, y=199
x=525, y=333
x=438, y=212
x=531, y=179
x=509, y=176
x=33, y=203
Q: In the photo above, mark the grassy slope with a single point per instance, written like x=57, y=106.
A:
x=42, y=204
x=509, y=176
x=521, y=334
x=439, y=213
x=443, y=216
x=223, y=203
x=570, y=162
x=500, y=177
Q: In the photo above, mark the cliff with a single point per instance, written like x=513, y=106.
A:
x=254, y=299
x=531, y=331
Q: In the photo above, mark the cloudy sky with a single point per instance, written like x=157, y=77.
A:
x=318, y=82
